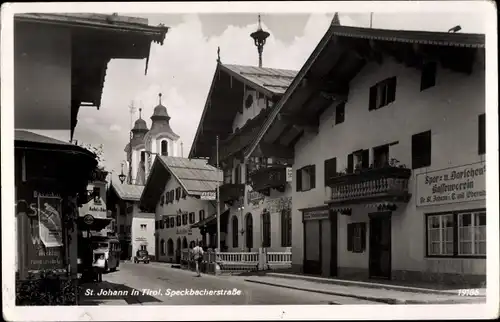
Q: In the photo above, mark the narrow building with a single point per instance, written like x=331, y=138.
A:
x=388, y=129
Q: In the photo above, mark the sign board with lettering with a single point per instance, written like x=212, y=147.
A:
x=184, y=231
x=452, y=185
x=315, y=214
x=208, y=195
x=289, y=174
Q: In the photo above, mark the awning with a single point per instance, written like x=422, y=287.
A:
x=97, y=225
x=382, y=206
x=343, y=210
x=209, y=220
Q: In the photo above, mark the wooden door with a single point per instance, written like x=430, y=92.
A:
x=380, y=246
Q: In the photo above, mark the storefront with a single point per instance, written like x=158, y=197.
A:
x=320, y=241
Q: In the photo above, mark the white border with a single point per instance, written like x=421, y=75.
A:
x=294, y=312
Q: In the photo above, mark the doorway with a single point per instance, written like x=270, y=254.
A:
x=380, y=246
x=312, y=247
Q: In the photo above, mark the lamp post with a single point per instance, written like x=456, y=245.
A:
x=122, y=176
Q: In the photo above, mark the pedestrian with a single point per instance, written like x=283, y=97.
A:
x=99, y=265
x=198, y=257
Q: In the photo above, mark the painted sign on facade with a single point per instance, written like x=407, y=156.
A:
x=208, y=195
x=452, y=185
x=315, y=214
x=184, y=231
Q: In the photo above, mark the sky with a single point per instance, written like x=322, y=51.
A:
x=182, y=69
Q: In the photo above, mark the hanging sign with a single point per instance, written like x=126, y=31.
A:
x=88, y=219
x=315, y=214
x=289, y=174
x=452, y=185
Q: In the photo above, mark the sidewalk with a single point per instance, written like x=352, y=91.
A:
x=389, y=294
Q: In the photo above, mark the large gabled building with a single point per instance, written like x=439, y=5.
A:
x=388, y=129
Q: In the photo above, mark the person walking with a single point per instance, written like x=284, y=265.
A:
x=99, y=266
x=198, y=257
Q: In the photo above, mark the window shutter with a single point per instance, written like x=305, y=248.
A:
x=391, y=92
x=363, y=236
x=482, y=134
x=298, y=179
x=350, y=234
x=330, y=168
x=327, y=171
x=373, y=98
x=172, y=195
x=350, y=163
x=365, y=159
x=312, y=175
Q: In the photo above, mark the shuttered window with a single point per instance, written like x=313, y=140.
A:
x=421, y=150
x=356, y=237
x=382, y=93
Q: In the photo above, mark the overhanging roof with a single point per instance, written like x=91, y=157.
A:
x=128, y=192
x=349, y=43
x=225, y=99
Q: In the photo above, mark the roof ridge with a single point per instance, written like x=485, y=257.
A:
x=265, y=68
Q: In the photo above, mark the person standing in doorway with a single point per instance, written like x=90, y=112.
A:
x=198, y=257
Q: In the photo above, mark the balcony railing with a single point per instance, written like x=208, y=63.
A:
x=230, y=192
x=272, y=176
x=370, y=184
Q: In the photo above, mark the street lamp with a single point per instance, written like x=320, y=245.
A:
x=122, y=176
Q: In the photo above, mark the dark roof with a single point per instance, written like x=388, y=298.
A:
x=27, y=136
x=140, y=125
x=127, y=191
x=443, y=39
x=27, y=139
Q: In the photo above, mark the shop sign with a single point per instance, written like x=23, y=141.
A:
x=88, y=219
x=208, y=195
x=40, y=220
x=141, y=239
x=289, y=174
x=184, y=231
x=452, y=185
x=254, y=198
x=316, y=214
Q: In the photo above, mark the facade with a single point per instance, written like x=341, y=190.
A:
x=135, y=228
x=389, y=178
x=96, y=208
x=256, y=193
x=55, y=68
x=174, y=192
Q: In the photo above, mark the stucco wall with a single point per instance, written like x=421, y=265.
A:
x=450, y=110
x=251, y=112
x=143, y=237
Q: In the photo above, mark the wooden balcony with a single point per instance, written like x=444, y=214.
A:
x=230, y=192
x=370, y=185
x=265, y=178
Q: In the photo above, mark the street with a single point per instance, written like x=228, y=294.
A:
x=159, y=276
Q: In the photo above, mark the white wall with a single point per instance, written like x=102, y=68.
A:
x=450, y=110
x=249, y=113
x=140, y=236
x=190, y=204
x=86, y=208
x=42, y=63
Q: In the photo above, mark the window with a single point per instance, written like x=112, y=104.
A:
x=172, y=222
x=97, y=195
x=381, y=156
x=457, y=234
x=306, y=178
x=162, y=200
x=164, y=149
x=144, y=247
x=167, y=222
x=340, y=113
x=286, y=228
x=167, y=198
x=421, y=150
x=172, y=196
x=382, y=94
x=143, y=156
x=192, y=217
x=266, y=226
x=184, y=194
x=358, y=160
x=482, y=134
x=184, y=219
x=143, y=226
x=178, y=220
x=428, y=78
x=202, y=214
x=235, y=232
x=162, y=247
x=330, y=168
x=356, y=237
x=170, y=247
x=237, y=174
x=249, y=231
x=162, y=224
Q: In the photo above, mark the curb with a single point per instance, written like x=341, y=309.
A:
x=364, y=284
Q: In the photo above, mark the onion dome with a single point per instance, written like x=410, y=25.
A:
x=160, y=120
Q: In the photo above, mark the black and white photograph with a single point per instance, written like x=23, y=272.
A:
x=290, y=160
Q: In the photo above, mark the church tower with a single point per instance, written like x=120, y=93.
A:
x=160, y=139
x=135, y=151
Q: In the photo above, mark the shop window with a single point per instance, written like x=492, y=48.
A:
x=172, y=222
x=330, y=168
x=164, y=148
x=192, y=218
x=356, y=237
x=428, y=78
x=381, y=156
x=235, y=232
x=249, y=231
x=143, y=226
x=170, y=247
x=286, y=228
x=421, y=150
x=382, y=93
x=202, y=214
x=482, y=134
x=340, y=113
x=266, y=226
x=162, y=247
x=184, y=219
x=179, y=220
x=306, y=178
x=457, y=234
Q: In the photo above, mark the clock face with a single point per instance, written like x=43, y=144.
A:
x=249, y=101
